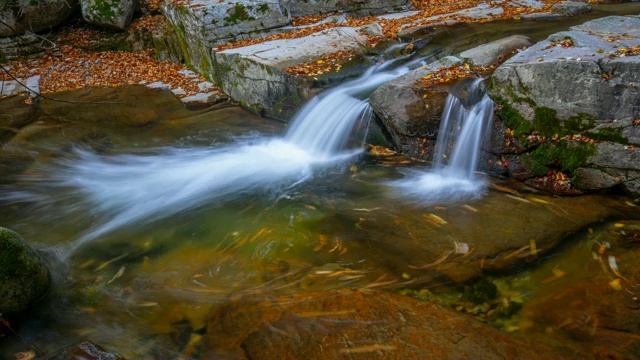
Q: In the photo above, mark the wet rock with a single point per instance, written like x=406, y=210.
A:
x=86, y=350
x=255, y=75
x=599, y=305
x=503, y=230
x=408, y=112
x=22, y=16
x=29, y=86
x=201, y=100
x=352, y=7
x=412, y=115
x=115, y=14
x=24, y=278
x=356, y=324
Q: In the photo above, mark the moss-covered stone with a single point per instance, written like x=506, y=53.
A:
x=24, y=278
x=240, y=14
x=565, y=156
x=609, y=134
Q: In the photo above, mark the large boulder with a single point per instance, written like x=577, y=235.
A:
x=361, y=324
x=353, y=7
x=20, y=16
x=573, y=101
x=411, y=114
x=257, y=77
x=590, y=72
x=115, y=14
x=24, y=278
x=197, y=26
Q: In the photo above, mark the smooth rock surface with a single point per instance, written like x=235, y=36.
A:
x=496, y=51
x=500, y=227
x=358, y=324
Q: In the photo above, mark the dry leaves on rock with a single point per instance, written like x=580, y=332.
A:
x=330, y=63
x=71, y=66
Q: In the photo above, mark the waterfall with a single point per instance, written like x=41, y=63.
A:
x=460, y=137
x=323, y=126
x=123, y=190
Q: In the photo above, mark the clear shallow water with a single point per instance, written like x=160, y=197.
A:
x=144, y=288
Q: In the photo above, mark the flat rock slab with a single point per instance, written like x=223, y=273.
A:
x=255, y=75
x=356, y=324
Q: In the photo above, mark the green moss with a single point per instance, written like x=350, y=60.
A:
x=13, y=262
x=609, y=134
x=513, y=119
x=105, y=9
x=263, y=8
x=239, y=15
x=566, y=156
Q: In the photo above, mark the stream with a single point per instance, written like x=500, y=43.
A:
x=151, y=216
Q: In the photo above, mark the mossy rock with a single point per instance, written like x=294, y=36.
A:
x=24, y=278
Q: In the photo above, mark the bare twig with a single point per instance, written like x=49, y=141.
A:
x=54, y=99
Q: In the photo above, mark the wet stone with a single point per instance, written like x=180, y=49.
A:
x=598, y=305
x=504, y=231
x=360, y=324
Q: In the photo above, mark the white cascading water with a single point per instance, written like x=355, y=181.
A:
x=132, y=189
x=457, y=151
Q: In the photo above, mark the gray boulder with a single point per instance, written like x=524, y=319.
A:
x=24, y=278
x=580, y=84
x=20, y=16
x=195, y=28
x=115, y=14
x=620, y=162
x=592, y=78
x=256, y=75
x=353, y=7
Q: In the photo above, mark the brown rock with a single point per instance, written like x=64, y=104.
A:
x=356, y=324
